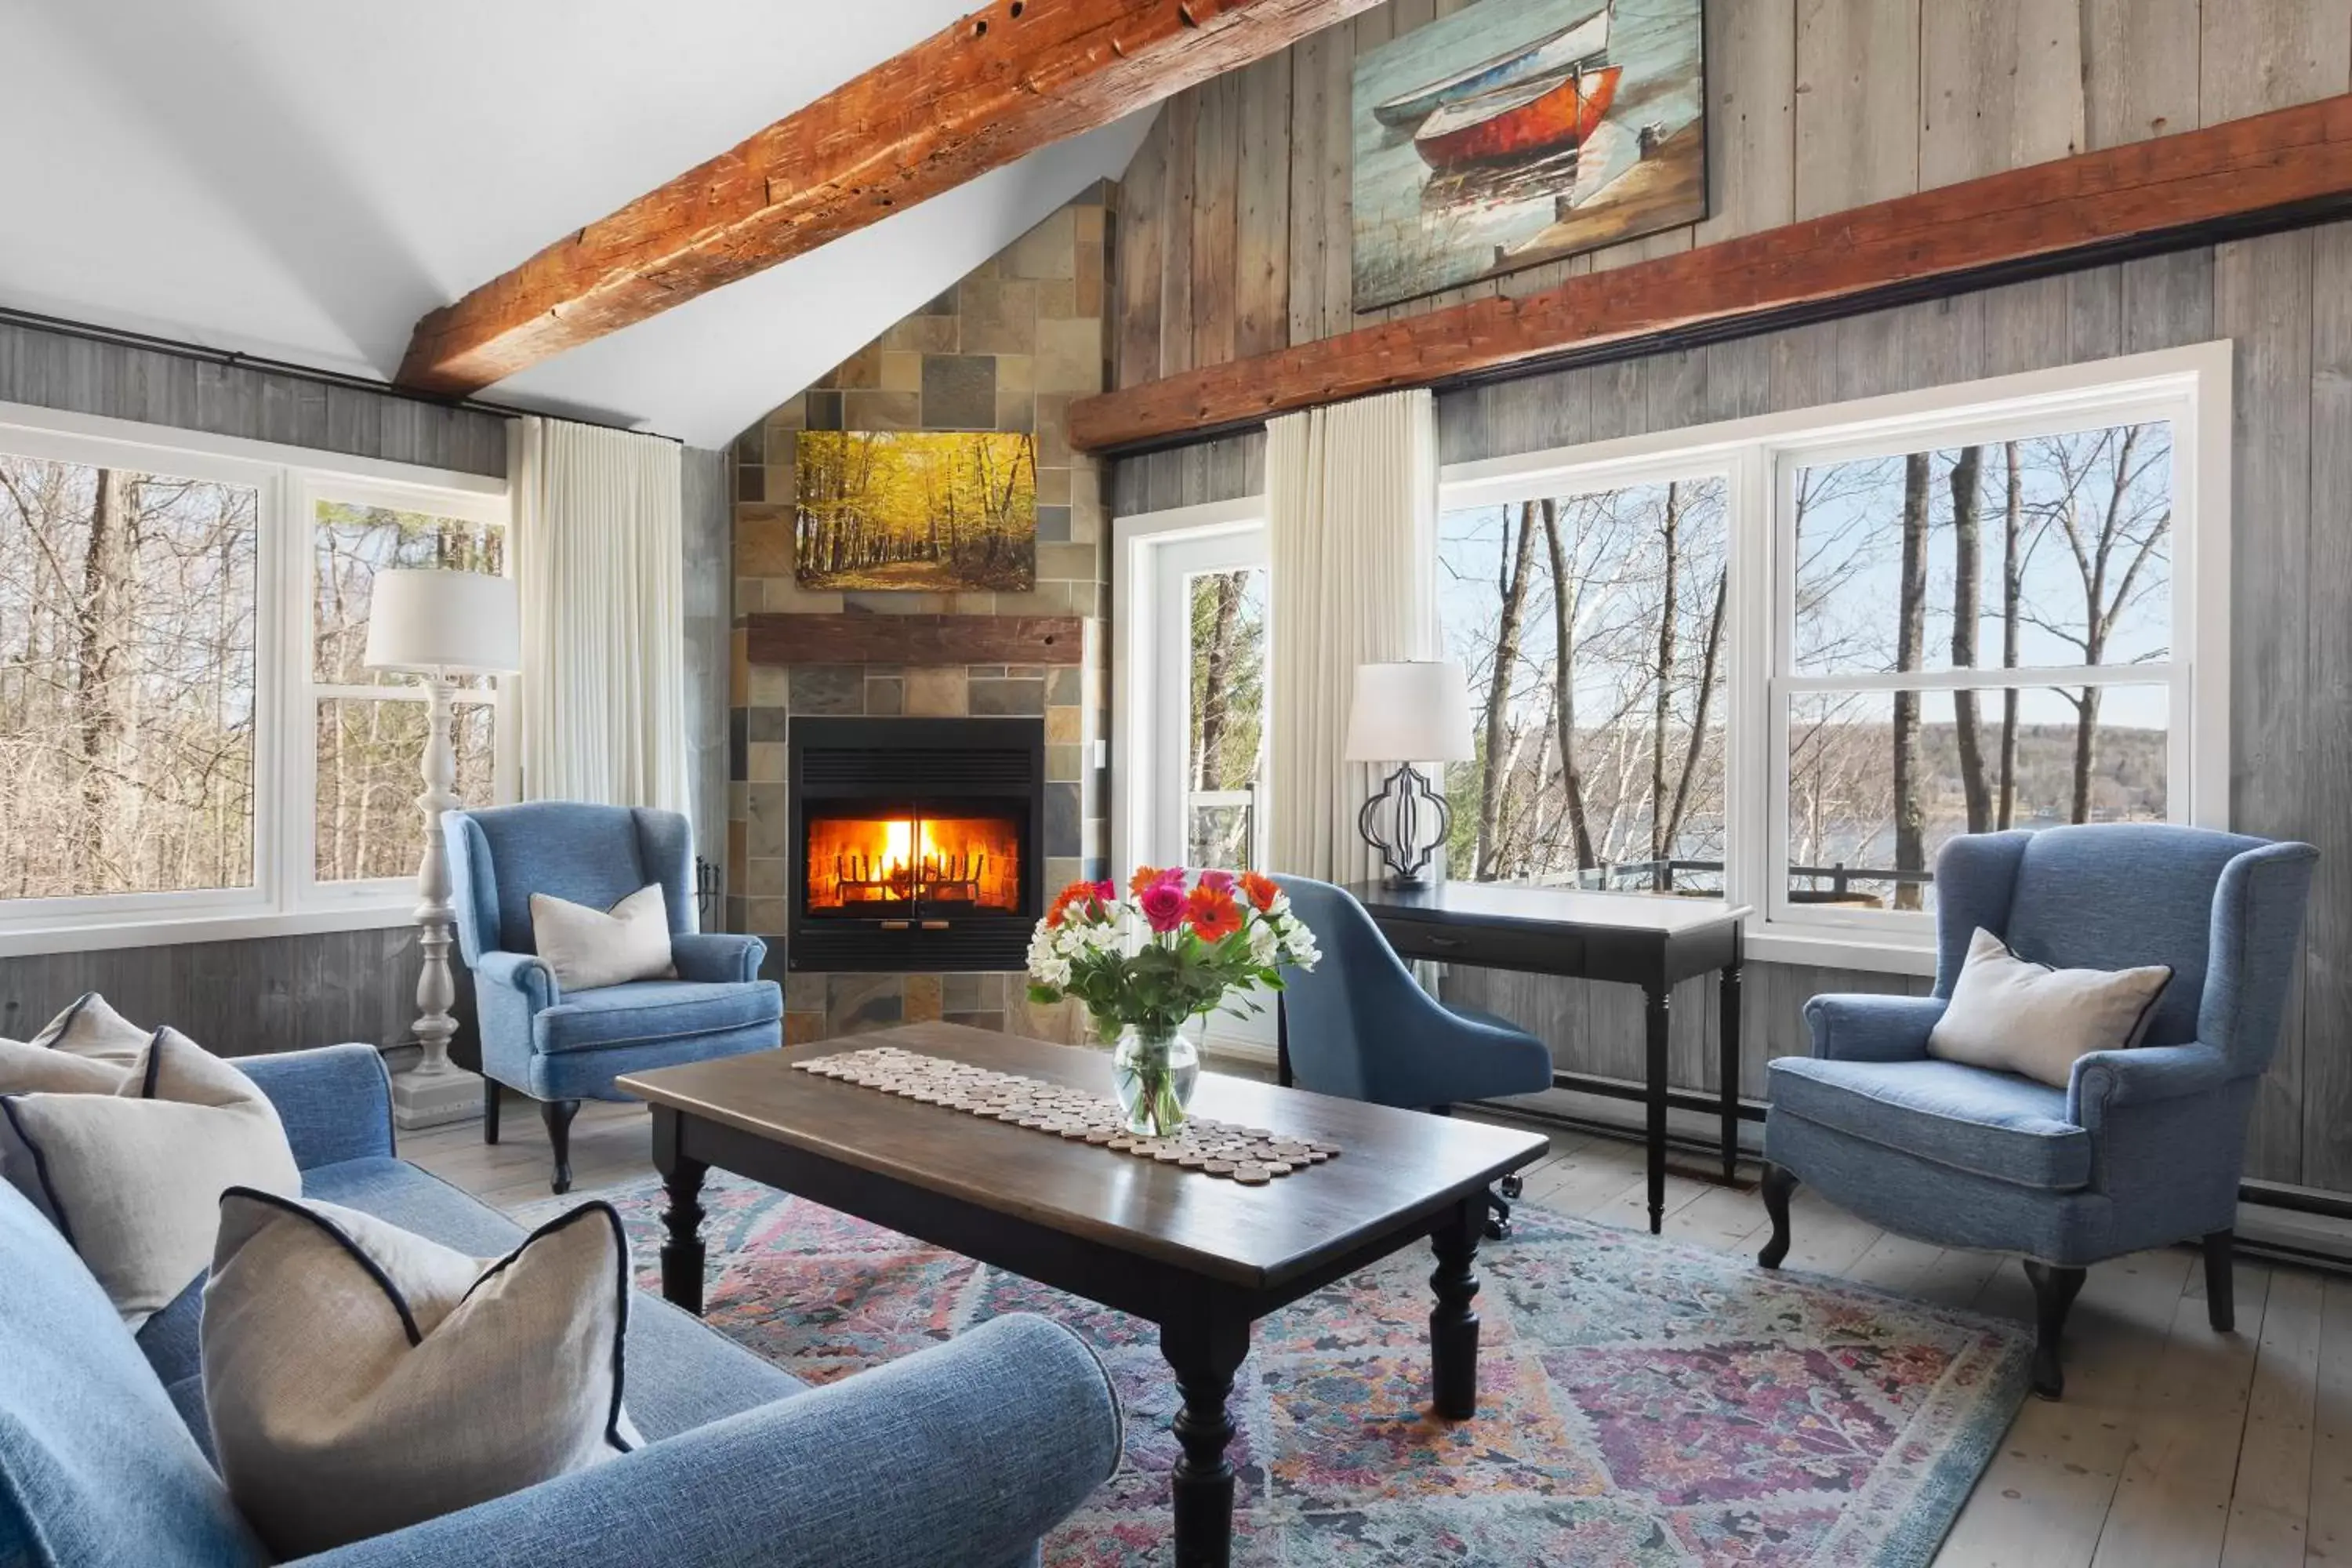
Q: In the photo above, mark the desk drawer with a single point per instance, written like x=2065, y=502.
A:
x=1493, y=947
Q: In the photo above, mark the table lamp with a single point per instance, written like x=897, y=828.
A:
x=1408, y=713
x=434, y=626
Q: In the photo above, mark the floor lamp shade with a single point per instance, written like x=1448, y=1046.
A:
x=455, y=623
x=1408, y=713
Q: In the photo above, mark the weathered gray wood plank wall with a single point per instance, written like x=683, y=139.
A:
x=1827, y=104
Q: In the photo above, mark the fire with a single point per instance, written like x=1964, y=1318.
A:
x=858, y=861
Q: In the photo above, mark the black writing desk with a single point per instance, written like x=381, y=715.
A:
x=1631, y=939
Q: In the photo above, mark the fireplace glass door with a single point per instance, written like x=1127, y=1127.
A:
x=929, y=860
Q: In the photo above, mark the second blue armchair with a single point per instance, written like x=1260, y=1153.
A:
x=2142, y=1148
x=560, y=1048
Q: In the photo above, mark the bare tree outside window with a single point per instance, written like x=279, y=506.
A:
x=1225, y=718
x=1894, y=576
x=1593, y=629
x=128, y=607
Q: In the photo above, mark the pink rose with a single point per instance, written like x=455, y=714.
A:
x=1104, y=892
x=1164, y=905
x=1217, y=881
x=1174, y=877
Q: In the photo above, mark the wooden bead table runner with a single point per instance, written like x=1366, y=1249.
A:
x=1249, y=1155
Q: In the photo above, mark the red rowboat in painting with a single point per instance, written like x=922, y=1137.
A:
x=1529, y=120
x=1579, y=44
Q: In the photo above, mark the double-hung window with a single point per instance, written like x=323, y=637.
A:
x=191, y=745
x=1785, y=659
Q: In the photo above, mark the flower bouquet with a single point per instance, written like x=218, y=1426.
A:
x=1146, y=964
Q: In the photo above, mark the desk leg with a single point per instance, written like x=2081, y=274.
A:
x=1660, y=1017
x=681, y=1249
x=1726, y=1034
x=1204, y=1348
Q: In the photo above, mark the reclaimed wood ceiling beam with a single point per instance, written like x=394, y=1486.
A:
x=2245, y=177
x=1007, y=80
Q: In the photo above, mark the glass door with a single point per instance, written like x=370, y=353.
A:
x=1211, y=700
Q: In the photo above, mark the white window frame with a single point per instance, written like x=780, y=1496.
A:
x=2190, y=388
x=283, y=898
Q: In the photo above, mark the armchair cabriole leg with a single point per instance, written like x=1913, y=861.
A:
x=489, y=1110
x=558, y=1115
x=2221, y=1301
x=1779, y=1183
x=2054, y=1290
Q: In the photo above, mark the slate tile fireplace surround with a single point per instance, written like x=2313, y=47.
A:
x=915, y=844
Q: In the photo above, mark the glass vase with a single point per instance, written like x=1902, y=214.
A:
x=1155, y=1074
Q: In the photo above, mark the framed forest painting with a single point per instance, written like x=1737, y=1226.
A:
x=918, y=512
x=1518, y=132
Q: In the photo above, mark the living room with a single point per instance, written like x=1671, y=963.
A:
x=1097, y=781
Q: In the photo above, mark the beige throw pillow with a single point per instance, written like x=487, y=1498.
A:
x=2015, y=1015
x=132, y=1179
x=587, y=948
x=361, y=1379
x=91, y=1029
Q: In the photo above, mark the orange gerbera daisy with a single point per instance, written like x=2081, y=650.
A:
x=1214, y=915
x=1144, y=876
x=1261, y=889
x=1075, y=893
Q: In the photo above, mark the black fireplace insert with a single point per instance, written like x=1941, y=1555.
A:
x=917, y=843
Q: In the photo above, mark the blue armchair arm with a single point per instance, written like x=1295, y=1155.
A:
x=965, y=1453
x=1866, y=1029
x=335, y=1100
x=716, y=958
x=522, y=973
x=2104, y=1080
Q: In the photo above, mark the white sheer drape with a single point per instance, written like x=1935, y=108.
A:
x=1352, y=527
x=598, y=556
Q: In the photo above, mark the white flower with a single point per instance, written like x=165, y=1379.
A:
x=1265, y=943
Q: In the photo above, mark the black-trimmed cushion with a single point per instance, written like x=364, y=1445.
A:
x=360, y=1378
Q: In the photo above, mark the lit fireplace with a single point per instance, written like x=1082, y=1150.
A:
x=918, y=843
x=871, y=863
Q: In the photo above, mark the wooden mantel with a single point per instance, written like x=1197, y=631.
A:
x=2244, y=177
x=1047, y=640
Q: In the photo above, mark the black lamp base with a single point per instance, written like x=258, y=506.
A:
x=1409, y=809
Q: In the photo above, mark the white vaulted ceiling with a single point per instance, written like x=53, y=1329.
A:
x=302, y=178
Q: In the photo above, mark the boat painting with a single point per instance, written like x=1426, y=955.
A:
x=1519, y=131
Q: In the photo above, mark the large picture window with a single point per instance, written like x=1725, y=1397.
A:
x=169, y=768
x=1785, y=659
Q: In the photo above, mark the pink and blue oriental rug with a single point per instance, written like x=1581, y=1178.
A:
x=1642, y=1402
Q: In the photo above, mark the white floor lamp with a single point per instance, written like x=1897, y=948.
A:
x=434, y=624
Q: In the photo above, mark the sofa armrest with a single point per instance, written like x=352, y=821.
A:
x=524, y=973
x=335, y=1101
x=967, y=1452
x=1866, y=1029
x=720, y=959
x=2104, y=1080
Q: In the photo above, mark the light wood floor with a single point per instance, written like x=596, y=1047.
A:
x=2173, y=1445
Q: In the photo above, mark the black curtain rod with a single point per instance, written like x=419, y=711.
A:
x=236, y=360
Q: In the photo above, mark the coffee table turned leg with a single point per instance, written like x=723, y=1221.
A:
x=1204, y=1351
x=681, y=1250
x=1453, y=1325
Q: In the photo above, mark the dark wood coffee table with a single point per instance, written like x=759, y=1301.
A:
x=1202, y=1258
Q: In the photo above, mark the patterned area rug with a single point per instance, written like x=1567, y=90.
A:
x=1642, y=1402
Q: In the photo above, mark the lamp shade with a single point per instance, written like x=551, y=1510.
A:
x=459, y=623
x=1417, y=712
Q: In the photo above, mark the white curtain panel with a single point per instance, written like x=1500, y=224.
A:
x=598, y=553
x=1353, y=522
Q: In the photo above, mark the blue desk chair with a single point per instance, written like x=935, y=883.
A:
x=560, y=1048
x=2142, y=1148
x=1359, y=1026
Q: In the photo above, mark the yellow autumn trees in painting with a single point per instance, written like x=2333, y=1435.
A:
x=933, y=512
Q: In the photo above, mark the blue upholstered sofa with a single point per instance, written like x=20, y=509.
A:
x=966, y=1453
x=560, y=1048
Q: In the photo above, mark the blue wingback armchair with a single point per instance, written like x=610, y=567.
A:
x=560, y=1048
x=1359, y=1025
x=2142, y=1148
